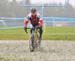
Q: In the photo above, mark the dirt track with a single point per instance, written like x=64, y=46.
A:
x=49, y=51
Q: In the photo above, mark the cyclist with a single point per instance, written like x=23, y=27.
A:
x=34, y=18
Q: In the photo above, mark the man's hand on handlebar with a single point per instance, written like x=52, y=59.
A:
x=25, y=28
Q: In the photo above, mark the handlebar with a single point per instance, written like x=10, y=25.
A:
x=37, y=27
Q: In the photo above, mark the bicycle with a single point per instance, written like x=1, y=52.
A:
x=34, y=39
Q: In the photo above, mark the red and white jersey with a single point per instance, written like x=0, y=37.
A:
x=30, y=16
x=35, y=20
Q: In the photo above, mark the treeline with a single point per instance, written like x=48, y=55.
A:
x=14, y=9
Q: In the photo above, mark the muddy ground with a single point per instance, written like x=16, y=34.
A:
x=49, y=51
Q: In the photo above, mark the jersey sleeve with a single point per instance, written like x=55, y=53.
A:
x=26, y=20
x=40, y=20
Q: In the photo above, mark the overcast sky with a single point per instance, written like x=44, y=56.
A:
x=72, y=2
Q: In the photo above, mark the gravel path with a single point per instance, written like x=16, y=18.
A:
x=49, y=51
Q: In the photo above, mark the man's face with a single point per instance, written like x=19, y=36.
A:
x=33, y=14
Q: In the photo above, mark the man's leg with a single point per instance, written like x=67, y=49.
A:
x=40, y=37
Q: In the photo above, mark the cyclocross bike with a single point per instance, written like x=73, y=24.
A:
x=34, y=39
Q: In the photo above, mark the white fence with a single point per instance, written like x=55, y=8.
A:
x=6, y=23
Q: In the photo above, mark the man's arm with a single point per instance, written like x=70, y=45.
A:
x=26, y=20
x=40, y=19
x=25, y=25
x=41, y=22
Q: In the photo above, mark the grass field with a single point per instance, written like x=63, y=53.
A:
x=49, y=33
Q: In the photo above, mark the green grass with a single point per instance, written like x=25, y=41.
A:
x=50, y=33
